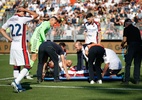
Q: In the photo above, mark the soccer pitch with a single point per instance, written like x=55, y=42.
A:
x=65, y=90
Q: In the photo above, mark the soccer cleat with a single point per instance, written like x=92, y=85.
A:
x=99, y=81
x=18, y=88
x=29, y=77
x=92, y=82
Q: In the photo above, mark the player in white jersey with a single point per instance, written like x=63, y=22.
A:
x=91, y=32
x=19, y=55
x=112, y=62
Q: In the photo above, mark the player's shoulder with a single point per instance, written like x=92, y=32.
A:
x=97, y=23
x=86, y=23
x=45, y=22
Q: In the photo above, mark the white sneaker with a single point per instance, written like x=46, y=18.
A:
x=99, y=81
x=92, y=82
x=29, y=77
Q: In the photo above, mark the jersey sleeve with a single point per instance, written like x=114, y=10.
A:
x=98, y=25
x=42, y=35
x=45, y=26
x=85, y=29
x=83, y=51
x=125, y=32
x=27, y=18
x=5, y=26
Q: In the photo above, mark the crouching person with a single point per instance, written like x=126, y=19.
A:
x=113, y=64
x=50, y=50
x=95, y=53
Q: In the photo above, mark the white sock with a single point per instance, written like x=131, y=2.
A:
x=21, y=75
x=15, y=73
x=27, y=73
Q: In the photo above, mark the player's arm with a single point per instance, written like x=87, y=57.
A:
x=35, y=15
x=85, y=33
x=99, y=33
x=42, y=33
x=99, y=37
x=105, y=69
x=123, y=42
x=64, y=66
x=3, y=32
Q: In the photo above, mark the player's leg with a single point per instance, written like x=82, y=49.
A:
x=32, y=60
x=34, y=53
x=34, y=50
x=16, y=69
x=21, y=58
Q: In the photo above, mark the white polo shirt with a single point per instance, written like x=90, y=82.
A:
x=113, y=60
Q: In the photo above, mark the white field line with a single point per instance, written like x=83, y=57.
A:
x=2, y=79
x=76, y=87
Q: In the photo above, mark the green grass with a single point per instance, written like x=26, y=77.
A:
x=65, y=90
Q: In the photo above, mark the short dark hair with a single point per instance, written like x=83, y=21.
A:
x=89, y=15
x=127, y=21
x=55, y=18
x=62, y=44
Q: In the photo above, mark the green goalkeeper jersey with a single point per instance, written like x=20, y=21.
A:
x=41, y=31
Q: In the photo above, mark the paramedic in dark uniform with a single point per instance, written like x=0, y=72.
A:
x=131, y=36
x=50, y=50
x=95, y=53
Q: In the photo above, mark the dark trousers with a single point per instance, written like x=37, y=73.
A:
x=79, y=60
x=96, y=54
x=133, y=53
x=112, y=72
x=45, y=51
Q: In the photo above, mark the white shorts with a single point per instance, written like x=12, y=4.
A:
x=19, y=57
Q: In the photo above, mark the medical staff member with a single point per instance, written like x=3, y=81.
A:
x=131, y=36
x=112, y=62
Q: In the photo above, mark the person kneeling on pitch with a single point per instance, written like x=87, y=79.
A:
x=113, y=64
x=50, y=49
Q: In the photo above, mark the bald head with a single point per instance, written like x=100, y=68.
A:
x=78, y=46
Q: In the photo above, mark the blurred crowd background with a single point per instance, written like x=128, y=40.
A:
x=72, y=14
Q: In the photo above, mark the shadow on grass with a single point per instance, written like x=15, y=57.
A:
x=26, y=85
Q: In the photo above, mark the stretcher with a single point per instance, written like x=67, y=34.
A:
x=85, y=78
x=83, y=75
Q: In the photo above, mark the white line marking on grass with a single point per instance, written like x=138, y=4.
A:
x=77, y=87
x=2, y=79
